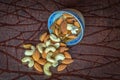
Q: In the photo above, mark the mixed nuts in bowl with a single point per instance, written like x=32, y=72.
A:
x=68, y=25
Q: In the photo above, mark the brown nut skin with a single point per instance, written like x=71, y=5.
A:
x=67, y=61
x=44, y=55
x=36, y=55
x=70, y=20
x=77, y=24
x=65, y=15
x=59, y=21
x=42, y=37
x=63, y=49
x=56, y=32
x=67, y=55
x=38, y=67
x=27, y=46
x=46, y=38
x=63, y=45
x=72, y=36
x=64, y=27
x=42, y=61
x=61, y=67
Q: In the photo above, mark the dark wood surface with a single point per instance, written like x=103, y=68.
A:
x=96, y=57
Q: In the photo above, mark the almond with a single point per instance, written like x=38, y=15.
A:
x=42, y=37
x=52, y=27
x=46, y=38
x=67, y=55
x=27, y=46
x=55, y=53
x=61, y=67
x=36, y=55
x=64, y=27
x=67, y=61
x=62, y=49
x=44, y=55
x=59, y=21
x=76, y=24
x=70, y=20
x=38, y=67
x=63, y=44
x=42, y=61
x=72, y=36
x=67, y=15
x=56, y=32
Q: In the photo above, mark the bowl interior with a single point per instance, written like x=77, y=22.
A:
x=58, y=14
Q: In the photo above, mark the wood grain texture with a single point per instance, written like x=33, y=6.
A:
x=96, y=57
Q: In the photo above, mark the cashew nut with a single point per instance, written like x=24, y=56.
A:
x=55, y=64
x=72, y=28
x=40, y=47
x=54, y=38
x=46, y=69
x=57, y=45
x=47, y=43
x=48, y=57
x=30, y=52
x=59, y=57
x=69, y=26
x=29, y=60
x=50, y=48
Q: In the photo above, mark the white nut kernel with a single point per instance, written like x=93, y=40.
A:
x=48, y=43
x=30, y=52
x=69, y=26
x=29, y=60
x=46, y=69
x=55, y=64
x=57, y=45
x=49, y=57
x=50, y=48
x=59, y=57
x=40, y=47
x=54, y=38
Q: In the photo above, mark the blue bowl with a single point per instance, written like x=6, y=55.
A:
x=77, y=15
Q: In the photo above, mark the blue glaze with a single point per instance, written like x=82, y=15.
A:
x=57, y=14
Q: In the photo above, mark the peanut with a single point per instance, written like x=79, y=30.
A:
x=38, y=67
x=61, y=67
x=67, y=55
x=42, y=37
x=36, y=55
x=67, y=61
